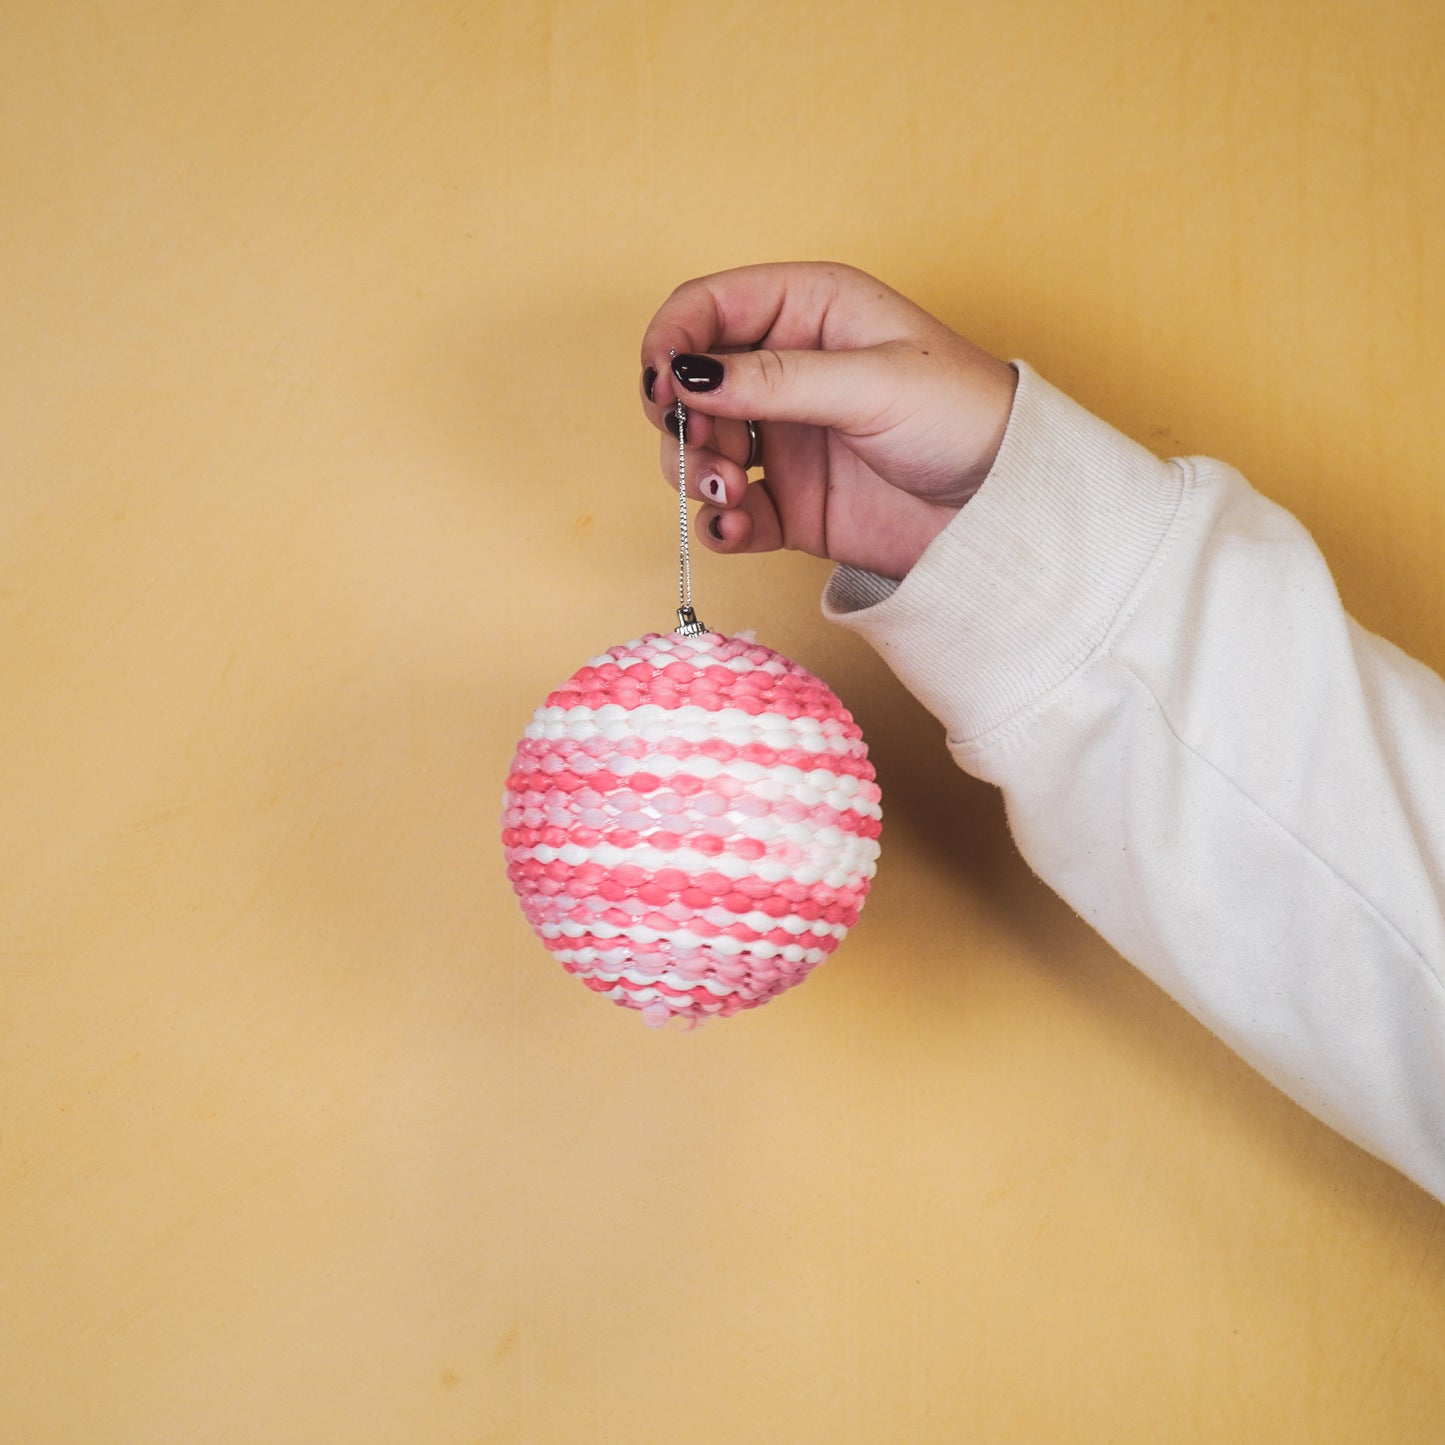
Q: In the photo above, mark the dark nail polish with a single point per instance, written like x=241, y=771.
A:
x=697, y=373
x=649, y=379
x=670, y=420
x=714, y=528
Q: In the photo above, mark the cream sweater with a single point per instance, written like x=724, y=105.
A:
x=1235, y=783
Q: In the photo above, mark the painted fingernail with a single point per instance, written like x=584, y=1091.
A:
x=697, y=373
x=713, y=487
x=670, y=421
x=649, y=380
x=714, y=528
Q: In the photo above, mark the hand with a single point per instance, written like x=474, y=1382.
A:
x=877, y=422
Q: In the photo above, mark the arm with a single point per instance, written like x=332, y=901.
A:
x=1241, y=789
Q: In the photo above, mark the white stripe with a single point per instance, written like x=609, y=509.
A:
x=699, y=659
x=718, y=987
x=720, y=947
x=681, y=936
x=765, y=923
x=694, y=724
x=677, y=647
x=718, y=916
x=582, y=960
x=854, y=865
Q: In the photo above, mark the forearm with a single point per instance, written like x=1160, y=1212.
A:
x=1237, y=786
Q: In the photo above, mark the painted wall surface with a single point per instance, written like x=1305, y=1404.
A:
x=321, y=461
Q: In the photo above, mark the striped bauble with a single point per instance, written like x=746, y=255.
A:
x=691, y=824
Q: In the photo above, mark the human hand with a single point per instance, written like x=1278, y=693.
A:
x=877, y=422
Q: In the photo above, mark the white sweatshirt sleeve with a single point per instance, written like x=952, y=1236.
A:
x=1237, y=785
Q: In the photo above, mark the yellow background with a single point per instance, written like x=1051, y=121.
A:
x=322, y=462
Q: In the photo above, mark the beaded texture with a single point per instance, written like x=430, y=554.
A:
x=691, y=824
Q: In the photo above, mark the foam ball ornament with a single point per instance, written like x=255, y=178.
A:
x=691, y=820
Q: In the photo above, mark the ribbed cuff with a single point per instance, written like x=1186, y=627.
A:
x=1024, y=584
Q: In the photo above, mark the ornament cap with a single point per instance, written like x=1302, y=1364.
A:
x=687, y=623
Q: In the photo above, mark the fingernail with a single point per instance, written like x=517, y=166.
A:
x=649, y=379
x=714, y=528
x=713, y=487
x=670, y=420
x=697, y=373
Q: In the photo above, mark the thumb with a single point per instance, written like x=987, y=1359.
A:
x=927, y=414
x=848, y=391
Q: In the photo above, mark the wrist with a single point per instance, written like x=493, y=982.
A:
x=991, y=403
x=893, y=548
x=929, y=525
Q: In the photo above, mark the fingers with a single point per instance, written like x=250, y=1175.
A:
x=711, y=476
x=731, y=440
x=865, y=405
x=752, y=525
x=737, y=515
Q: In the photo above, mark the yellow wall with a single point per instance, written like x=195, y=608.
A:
x=322, y=462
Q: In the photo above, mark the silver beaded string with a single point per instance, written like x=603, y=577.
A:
x=687, y=623
x=684, y=556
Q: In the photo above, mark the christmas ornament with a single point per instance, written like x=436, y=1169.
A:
x=691, y=820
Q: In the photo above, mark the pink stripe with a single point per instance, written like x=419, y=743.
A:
x=712, y=689
x=622, y=797
x=552, y=764
x=687, y=785
x=708, y=843
x=737, y=895
x=716, y=1007
x=671, y=914
x=634, y=745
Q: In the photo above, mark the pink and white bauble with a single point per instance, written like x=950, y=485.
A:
x=691, y=824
